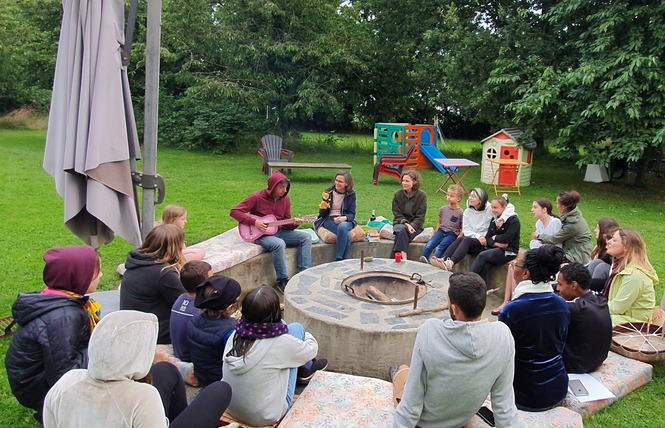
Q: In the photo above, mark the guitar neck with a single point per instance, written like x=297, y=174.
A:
x=307, y=218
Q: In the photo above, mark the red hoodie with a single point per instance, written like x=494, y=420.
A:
x=262, y=203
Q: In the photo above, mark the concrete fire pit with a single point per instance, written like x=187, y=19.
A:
x=360, y=337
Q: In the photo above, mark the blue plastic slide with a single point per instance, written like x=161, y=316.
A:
x=431, y=153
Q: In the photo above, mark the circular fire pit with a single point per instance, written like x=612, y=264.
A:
x=385, y=288
x=358, y=336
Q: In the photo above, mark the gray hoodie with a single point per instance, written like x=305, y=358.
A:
x=454, y=366
x=260, y=379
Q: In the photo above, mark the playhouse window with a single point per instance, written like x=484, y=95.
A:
x=491, y=153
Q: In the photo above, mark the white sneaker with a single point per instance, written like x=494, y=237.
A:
x=423, y=259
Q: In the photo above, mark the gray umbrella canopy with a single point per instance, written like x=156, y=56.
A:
x=92, y=140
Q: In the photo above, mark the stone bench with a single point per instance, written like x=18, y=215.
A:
x=336, y=399
x=251, y=265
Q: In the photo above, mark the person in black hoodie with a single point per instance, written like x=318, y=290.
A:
x=152, y=280
x=54, y=325
x=501, y=242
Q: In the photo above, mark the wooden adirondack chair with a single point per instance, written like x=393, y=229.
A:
x=271, y=150
x=392, y=164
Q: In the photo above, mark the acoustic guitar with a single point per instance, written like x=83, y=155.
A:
x=252, y=233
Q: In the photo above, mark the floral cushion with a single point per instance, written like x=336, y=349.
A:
x=357, y=235
x=342, y=400
x=165, y=353
x=227, y=250
x=619, y=374
x=424, y=236
x=558, y=417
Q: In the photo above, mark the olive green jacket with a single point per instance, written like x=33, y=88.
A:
x=574, y=237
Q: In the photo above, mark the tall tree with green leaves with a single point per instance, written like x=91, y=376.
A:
x=292, y=59
x=612, y=86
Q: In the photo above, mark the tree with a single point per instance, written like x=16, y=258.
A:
x=612, y=86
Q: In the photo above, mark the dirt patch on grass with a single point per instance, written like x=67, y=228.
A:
x=24, y=118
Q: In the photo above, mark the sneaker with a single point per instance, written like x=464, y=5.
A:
x=281, y=285
x=305, y=375
x=423, y=259
x=449, y=265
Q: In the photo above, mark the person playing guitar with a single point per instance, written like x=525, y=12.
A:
x=274, y=201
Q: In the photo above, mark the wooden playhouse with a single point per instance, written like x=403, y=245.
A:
x=507, y=160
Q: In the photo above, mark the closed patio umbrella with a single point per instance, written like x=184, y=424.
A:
x=92, y=142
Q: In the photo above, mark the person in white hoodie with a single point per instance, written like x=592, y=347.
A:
x=121, y=387
x=456, y=363
x=475, y=224
x=264, y=357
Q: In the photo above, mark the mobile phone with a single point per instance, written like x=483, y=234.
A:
x=486, y=415
x=577, y=388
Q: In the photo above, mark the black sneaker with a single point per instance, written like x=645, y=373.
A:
x=305, y=375
x=281, y=284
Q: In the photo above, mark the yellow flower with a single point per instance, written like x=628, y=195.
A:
x=324, y=205
x=325, y=196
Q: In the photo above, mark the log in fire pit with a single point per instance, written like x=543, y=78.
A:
x=387, y=288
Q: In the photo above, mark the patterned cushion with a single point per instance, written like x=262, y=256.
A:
x=357, y=235
x=165, y=353
x=620, y=375
x=558, y=417
x=424, y=236
x=341, y=400
x=227, y=249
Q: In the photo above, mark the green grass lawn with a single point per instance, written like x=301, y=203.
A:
x=210, y=185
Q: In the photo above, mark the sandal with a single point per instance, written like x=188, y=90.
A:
x=399, y=381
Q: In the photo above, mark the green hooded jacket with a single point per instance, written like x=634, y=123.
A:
x=574, y=237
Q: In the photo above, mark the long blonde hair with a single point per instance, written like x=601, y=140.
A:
x=164, y=244
x=636, y=251
x=172, y=213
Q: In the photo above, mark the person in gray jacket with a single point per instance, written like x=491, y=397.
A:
x=575, y=235
x=456, y=363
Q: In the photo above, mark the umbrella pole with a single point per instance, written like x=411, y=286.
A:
x=151, y=111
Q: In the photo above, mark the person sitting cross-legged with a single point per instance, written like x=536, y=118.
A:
x=590, y=329
x=456, y=363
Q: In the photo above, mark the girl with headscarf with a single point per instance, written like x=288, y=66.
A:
x=54, y=325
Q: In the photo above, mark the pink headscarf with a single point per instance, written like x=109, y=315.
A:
x=70, y=268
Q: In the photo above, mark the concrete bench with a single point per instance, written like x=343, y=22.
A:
x=251, y=265
x=337, y=399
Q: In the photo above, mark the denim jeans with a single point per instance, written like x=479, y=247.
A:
x=296, y=330
x=277, y=244
x=438, y=243
x=343, y=233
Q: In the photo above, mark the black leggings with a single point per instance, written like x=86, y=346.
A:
x=461, y=247
x=487, y=259
x=204, y=411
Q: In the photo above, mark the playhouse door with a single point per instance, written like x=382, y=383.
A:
x=508, y=173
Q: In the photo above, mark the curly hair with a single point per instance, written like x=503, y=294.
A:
x=543, y=263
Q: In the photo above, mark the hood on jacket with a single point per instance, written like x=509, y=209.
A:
x=29, y=306
x=652, y=275
x=276, y=178
x=471, y=339
x=122, y=346
x=241, y=365
x=572, y=216
x=70, y=268
x=137, y=259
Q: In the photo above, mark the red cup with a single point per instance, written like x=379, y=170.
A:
x=398, y=256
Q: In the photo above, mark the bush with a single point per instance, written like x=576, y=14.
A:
x=205, y=125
